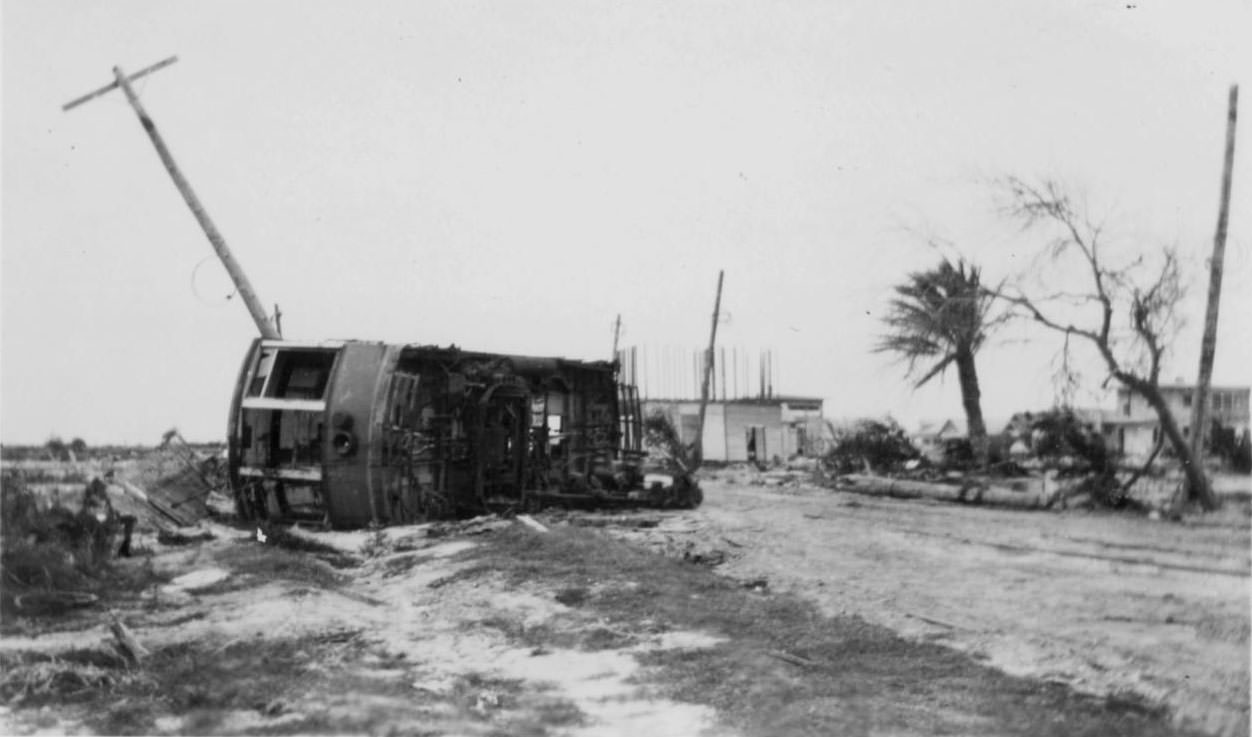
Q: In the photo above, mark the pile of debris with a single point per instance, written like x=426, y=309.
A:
x=1056, y=462
x=683, y=536
x=181, y=483
x=57, y=549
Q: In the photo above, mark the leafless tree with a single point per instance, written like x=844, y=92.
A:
x=1126, y=310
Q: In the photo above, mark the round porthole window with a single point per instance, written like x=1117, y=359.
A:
x=344, y=443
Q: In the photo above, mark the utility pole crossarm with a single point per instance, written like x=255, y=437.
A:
x=113, y=85
x=250, y=300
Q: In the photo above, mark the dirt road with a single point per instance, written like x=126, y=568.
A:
x=1108, y=603
x=491, y=627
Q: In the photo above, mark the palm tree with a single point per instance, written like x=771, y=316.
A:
x=938, y=318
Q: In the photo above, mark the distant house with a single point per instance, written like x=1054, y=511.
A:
x=1134, y=428
x=932, y=437
x=739, y=430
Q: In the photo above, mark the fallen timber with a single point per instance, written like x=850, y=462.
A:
x=966, y=492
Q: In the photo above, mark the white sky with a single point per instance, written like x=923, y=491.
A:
x=508, y=176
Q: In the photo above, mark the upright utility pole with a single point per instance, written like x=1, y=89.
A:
x=617, y=331
x=708, y=371
x=242, y=284
x=1208, y=347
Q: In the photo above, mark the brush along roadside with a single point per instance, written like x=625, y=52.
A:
x=56, y=561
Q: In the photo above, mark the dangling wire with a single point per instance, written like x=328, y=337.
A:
x=196, y=291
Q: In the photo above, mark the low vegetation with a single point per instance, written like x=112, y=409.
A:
x=52, y=557
x=663, y=443
x=877, y=446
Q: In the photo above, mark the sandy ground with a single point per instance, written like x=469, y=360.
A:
x=1105, y=602
x=442, y=656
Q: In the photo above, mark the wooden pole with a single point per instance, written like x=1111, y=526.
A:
x=215, y=238
x=1208, y=347
x=113, y=85
x=244, y=287
x=698, y=456
x=617, y=331
x=769, y=373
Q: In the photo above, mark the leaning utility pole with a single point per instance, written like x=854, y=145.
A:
x=215, y=238
x=1208, y=347
x=698, y=456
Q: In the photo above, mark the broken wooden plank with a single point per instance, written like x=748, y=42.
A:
x=127, y=645
x=937, y=622
x=787, y=657
x=531, y=522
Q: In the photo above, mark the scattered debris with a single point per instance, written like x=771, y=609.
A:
x=710, y=557
x=531, y=522
x=196, y=581
x=479, y=525
x=433, y=686
x=53, y=602
x=486, y=700
x=793, y=659
x=614, y=521
x=937, y=622
x=572, y=596
x=295, y=538
x=781, y=478
x=184, y=536
x=127, y=646
x=339, y=635
x=377, y=544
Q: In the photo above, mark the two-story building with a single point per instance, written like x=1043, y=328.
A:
x=1134, y=428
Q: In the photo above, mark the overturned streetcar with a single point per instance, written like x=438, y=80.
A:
x=351, y=433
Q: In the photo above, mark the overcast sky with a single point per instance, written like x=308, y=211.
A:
x=509, y=176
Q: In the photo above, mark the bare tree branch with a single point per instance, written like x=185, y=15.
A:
x=1134, y=358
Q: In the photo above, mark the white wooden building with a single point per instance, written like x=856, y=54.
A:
x=739, y=430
